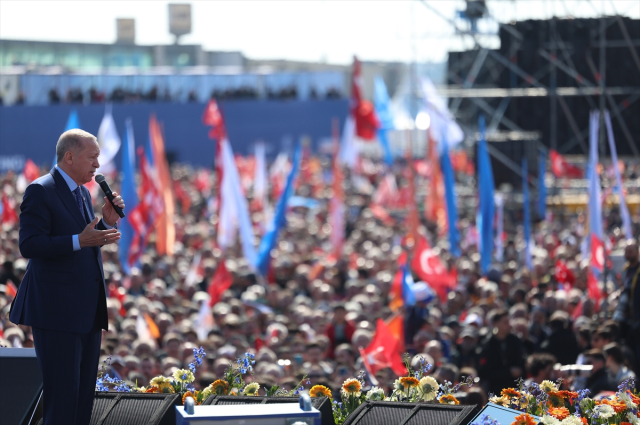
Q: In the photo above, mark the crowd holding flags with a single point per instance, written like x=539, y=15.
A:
x=151, y=205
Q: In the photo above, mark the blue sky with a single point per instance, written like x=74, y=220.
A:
x=330, y=30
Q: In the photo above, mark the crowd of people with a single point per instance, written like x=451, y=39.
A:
x=312, y=313
x=154, y=94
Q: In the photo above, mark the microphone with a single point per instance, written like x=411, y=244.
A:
x=107, y=191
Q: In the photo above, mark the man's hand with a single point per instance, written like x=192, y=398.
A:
x=109, y=215
x=94, y=237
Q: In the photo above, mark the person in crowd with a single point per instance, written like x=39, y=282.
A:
x=339, y=330
x=540, y=367
x=501, y=355
x=615, y=363
x=599, y=380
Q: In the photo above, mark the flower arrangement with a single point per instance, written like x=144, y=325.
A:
x=558, y=407
x=415, y=387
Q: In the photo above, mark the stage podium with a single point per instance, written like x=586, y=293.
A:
x=250, y=414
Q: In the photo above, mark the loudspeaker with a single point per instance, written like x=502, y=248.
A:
x=392, y=413
x=323, y=404
x=134, y=409
x=20, y=394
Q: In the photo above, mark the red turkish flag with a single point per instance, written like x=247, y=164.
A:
x=9, y=215
x=593, y=290
x=383, y=352
x=220, y=282
x=362, y=110
x=213, y=117
x=431, y=270
x=30, y=171
x=561, y=168
x=563, y=274
x=597, y=253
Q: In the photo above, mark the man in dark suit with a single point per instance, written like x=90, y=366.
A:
x=63, y=293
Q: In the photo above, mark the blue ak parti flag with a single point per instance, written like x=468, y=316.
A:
x=279, y=220
x=128, y=193
x=72, y=122
x=486, y=207
x=542, y=187
x=381, y=104
x=526, y=214
x=450, y=196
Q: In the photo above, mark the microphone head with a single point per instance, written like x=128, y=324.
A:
x=99, y=178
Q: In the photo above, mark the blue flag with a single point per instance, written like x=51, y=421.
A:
x=381, y=103
x=526, y=215
x=72, y=122
x=279, y=220
x=450, y=196
x=542, y=187
x=486, y=207
x=408, y=296
x=595, y=198
x=128, y=193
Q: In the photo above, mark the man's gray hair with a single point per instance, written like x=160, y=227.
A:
x=71, y=140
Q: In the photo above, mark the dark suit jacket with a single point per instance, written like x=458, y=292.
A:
x=61, y=287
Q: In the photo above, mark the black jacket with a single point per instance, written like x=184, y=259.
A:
x=496, y=359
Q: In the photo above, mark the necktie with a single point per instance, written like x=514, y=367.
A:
x=80, y=203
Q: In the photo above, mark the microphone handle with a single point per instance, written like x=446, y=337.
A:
x=116, y=208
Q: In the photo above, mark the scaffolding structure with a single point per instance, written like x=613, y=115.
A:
x=539, y=85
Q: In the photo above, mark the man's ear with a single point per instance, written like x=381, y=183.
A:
x=68, y=157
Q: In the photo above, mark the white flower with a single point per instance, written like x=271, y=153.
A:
x=547, y=386
x=251, y=389
x=549, y=420
x=604, y=411
x=626, y=398
x=397, y=386
x=633, y=419
x=376, y=394
x=429, y=388
x=571, y=420
x=182, y=375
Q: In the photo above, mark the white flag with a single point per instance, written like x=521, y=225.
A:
x=109, y=142
x=234, y=211
x=204, y=323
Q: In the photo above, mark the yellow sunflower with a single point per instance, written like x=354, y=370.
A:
x=219, y=387
x=448, y=399
x=352, y=386
x=320, y=391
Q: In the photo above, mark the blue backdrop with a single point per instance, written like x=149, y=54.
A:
x=32, y=131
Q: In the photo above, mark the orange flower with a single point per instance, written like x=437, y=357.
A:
x=625, y=423
x=634, y=398
x=187, y=394
x=152, y=390
x=409, y=381
x=524, y=419
x=449, y=399
x=559, y=412
x=320, y=391
x=617, y=405
x=510, y=392
x=584, y=420
x=569, y=395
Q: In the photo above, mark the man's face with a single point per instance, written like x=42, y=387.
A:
x=83, y=164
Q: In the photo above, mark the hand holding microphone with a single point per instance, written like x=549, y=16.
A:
x=112, y=209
